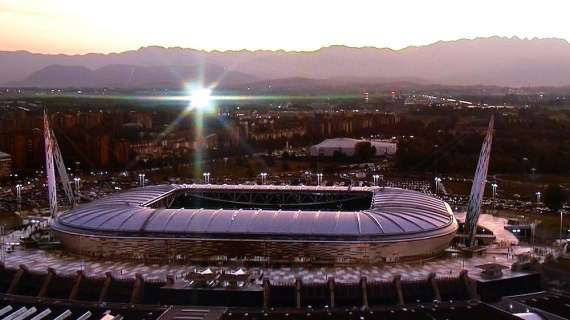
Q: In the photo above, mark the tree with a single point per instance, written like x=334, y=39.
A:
x=364, y=150
x=554, y=197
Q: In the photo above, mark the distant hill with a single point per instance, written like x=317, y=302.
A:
x=483, y=61
x=128, y=76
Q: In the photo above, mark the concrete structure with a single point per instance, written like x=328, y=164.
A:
x=5, y=164
x=227, y=224
x=346, y=146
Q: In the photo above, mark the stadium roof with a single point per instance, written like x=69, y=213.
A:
x=393, y=212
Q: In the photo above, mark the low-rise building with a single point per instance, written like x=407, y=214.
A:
x=5, y=164
x=347, y=147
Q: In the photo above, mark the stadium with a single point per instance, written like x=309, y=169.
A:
x=260, y=223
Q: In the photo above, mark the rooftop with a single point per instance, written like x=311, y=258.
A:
x=347, y=143
x=393, y=212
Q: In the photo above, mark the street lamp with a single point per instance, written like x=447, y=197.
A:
x=561, y=216
x=319, y=179
x=494, y=188
x=76, y=180
x=206, y=177
x=141, y=179
x=376, y=178
x=19, y=196
x=437, y=182
x=538, y=194
x=263, y=177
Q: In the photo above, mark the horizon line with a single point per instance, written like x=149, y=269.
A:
x=288, y=51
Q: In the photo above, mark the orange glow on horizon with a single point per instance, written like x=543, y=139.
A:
x=104, y=26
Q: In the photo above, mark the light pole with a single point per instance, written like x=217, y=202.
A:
x=494, y=188
x=561, y=216
x=141, y=179
x=76, y=180
x=263, y=177
x=532, y=233
x=376, y=178
x=437, y=182
x=538, y=194
x=2, y=245
x=319, y=179
x=206, y=177
x=19, y=196
x=307, y=177
x=82, y=262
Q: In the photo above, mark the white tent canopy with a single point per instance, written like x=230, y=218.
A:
x=206, y=272
x=239, y=272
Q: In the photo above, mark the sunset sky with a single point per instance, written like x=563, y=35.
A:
x=81, y=26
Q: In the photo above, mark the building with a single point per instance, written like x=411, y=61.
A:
x=347, y=146
x=32, y=293
x=5, y=164
x=261, y=223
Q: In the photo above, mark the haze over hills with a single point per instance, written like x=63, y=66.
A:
x=483, y=61
x=131, y=76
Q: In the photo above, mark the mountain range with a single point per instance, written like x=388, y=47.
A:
x=497, y=61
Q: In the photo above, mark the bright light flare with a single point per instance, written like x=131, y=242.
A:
x=201, y=99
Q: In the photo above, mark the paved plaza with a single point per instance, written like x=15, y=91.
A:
x=494, y=224
x=40, y=260
x=451, y=266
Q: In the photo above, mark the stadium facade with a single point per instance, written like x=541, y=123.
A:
x=260, y=223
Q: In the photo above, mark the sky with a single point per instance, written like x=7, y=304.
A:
x=103, y=26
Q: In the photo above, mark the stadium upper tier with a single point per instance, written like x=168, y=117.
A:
x=390, y=214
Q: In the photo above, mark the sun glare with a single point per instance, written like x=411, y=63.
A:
x=201, y=99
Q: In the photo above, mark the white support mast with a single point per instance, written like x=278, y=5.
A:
x=61, y=170
x=50, y=172
x=53, y=153
x=478, y=187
